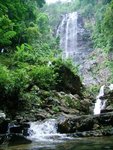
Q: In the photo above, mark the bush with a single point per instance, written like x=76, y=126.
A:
x=6, y=81
x=6, y=31
x=25, y=53
x=43, y=76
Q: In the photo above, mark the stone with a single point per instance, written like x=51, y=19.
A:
x=18, y=139
x=71, y=124
x=69, y=82
x=16, y=129
x=4, y=126
x=2, y=115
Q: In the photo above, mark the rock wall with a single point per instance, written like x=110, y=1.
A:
x=94, y=69
x=75, y=39
x=87, y=125
x=84, y=42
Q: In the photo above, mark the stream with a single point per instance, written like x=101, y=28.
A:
x=98, y=143
x=44, y=136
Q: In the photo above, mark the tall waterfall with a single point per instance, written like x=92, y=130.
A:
x=100, y=104
x=67, y=31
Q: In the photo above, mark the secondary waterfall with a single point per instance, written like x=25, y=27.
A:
x=67, y=31
x=100, y=104
x=45, y=131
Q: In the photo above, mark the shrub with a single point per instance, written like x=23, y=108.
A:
x=6, y=82
x=43, y=76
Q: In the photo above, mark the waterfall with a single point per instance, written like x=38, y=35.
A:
x=67, y=31
x=45, y=131
x=111, y=87
x=100, y=104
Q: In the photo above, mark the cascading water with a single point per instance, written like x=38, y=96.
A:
x=45, y=131
x=111, y=87
x=100, y=104
x=67, y=31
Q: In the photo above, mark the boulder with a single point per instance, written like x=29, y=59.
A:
x=4, y=123
x=85, y=123
x=68, y=81
x=21, y=128
x=95, y=133
x=4, y=127
x=18, y=139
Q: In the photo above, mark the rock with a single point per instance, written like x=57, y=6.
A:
x=4, y=126
x=16, y=129
x=19, y=128
x=106, y=110
x=3, y=138
x=94, y=69
x=2, y=115
x=40, y=116
x=97, y=133
x=18, y=139
x=68, y=81
x=68, y=111
x=84, y=123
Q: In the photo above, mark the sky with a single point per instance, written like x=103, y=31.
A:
x=53, y=1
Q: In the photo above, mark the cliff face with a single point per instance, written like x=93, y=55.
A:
x=95, y=70
x=75, y=39
x=84, y=42
x=76, y=43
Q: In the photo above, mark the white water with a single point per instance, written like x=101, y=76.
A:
x=67, y=31
x=100, y=104
x=45, y=131
x=111, y=87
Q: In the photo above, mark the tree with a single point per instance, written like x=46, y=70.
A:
x=6, y=31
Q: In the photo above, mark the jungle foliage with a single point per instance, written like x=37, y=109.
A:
x=26, y=47
x=97, y=13
x=28, y=44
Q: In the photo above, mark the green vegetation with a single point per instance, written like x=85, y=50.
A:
x=98, y=17
x=28, y=44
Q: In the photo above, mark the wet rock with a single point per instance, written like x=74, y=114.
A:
x=3, y=138
x=16, y=129
x=40, y=116
x=84, y=123
x=19, y=128
x=68, y=111
x=2, y=115
x=4, y=126
x=18, y=139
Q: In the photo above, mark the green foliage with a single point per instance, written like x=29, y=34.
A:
x=93, y=89
x=6, y=30
x=6, y=82
x=13, y=80
x=42, y=21
x=21, y=78
x=15, y=16
x=97, y=13
x=55, y=109
x=103, y=28
x=29, y=98
x=72, y=103
x=68, y=63
x=40, y=2
x=43, y=77
x=24, y=54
